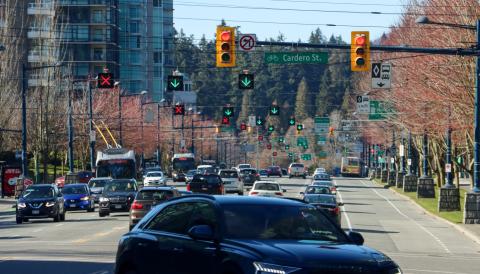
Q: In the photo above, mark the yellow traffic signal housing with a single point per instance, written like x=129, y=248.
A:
x=360, y=51
x=225, y=47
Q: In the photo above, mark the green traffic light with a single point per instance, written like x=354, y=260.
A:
x=291, y=121
x=271, y=128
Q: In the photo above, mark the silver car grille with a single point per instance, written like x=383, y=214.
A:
x=36, y=205
x=118, y=199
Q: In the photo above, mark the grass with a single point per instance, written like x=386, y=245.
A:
x=431, y=204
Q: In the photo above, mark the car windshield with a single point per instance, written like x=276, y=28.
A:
x=266, y=186
x=74, y=190
x=321, y=177
x=154, y=174
x=317, y=190
x=322, y=199
x=280, y=223
x=248, y=171
x=119, y=186
x=38, y=192
x=209, y=179
x=322, y=183
x=97, y=183
x=158, y=195
x=228, y=174
x=192, y=172
x=297, y=165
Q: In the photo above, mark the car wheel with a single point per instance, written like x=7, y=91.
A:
x=19, y=220
x=57, y=217
x=62, y=216
x=92, y=209
x=25, y=219
x=240, y=193
x=101, y=214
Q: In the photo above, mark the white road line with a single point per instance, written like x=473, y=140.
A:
x=415, y=222
x=58, y=225
x=344, y=211
x=37, y=230
x=432, y=271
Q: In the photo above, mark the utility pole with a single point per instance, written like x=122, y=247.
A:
x=24, y=121
x=90, y=114
x=158, y=135
x=70, y=131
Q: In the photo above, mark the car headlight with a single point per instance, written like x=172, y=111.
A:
x=264, y=268
x=21, y=205
x=50, y=204
x=104, y=199
x=86, y=198
x=395, y=271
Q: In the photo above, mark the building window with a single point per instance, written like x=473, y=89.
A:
x=135, y=58
x=157, y=71
x=97, y=16
x=157, y=3
x=81, y=69
x=134, y=27
x=134, y=12
x=98, y=35
x=98, y=54
x=157, y=57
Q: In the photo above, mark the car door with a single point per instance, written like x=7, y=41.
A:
x=203, y=256
x=160, y=247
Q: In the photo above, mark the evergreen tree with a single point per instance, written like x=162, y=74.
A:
x=301, y=103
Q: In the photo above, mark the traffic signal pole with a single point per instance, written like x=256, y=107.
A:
x=90, y=114
x=476, y=144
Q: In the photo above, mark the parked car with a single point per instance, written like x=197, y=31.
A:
x=40, y=201
x=297, y=170
x=78, y=197
x=249, y=176
x=154, y=178
x=327, y=203
x=96, y=186
x=330, y=184
x=208, y=184
x=147, y=198
x=267, y=189
x=118, y=195
x=243, y=235
x=189, y=175
x=231, y=181
x=274, y=171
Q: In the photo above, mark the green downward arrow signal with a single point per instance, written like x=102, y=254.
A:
x=228, y=112
x=274, y=110
x=175, y=83
x=246, y=82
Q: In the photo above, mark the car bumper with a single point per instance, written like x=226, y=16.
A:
x=96, y=197
x=77, y=205
x=114, y=207
x=154, y=183
x=40, y=213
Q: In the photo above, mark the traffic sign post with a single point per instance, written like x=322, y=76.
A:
x=363, y=105
x=381, y=75
x=247, y=42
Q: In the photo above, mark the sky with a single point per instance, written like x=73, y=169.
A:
x=200, y=17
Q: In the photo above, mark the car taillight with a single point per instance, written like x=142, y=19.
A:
x=257, y=175
x=289, y=170
x=136, y=205
x=334, y=189
x=221, y=189
x=188, y=187
x=253, y=193
x=335, y=210
x=279, y=193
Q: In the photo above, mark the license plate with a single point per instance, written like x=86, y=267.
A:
x=118, y=206
x=35, y=212
x=73, y=205
x=204, y=188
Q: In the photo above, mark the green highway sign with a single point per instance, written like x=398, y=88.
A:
x=246, y=81
x=322, y=120
x=306, y=157
x=379, y=110
x=296, y=57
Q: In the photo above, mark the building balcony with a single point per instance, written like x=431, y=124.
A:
x=97, y=3
x=40, y=9
x=39, y=57
x=39, y=33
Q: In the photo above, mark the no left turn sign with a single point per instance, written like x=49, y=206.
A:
x=247, y=42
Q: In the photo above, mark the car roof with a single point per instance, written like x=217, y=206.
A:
x=145, y=188
x=72, y=185
x=100, y=178
x=268, y=182
x=41, y=185
x=156, y=171
x=231, y=199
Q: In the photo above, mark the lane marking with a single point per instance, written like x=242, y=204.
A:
x=407, y=217
x=432, y=271
x=98, y=235
x=57, y=225
x=344, y=211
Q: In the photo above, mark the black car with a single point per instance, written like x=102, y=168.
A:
x=326, y=202
x=243, y=235
x=118, y=195
x=249, y=176
x=39, y=202
x=207, y=184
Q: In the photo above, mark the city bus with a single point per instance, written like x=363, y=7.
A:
x=117, y=163
x=181, y=164
x=351, y=166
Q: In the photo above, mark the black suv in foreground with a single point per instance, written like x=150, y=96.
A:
x=39, y=202
x=117, y=196
x=243, y=235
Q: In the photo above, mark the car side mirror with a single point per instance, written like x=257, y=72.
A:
x=356, y=237
x=340, y=204
x=201, y=232
x=302, y=193
x=284, y=190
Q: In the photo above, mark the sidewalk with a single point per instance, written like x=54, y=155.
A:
x=7, y=200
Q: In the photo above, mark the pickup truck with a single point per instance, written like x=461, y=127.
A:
x=297, y=170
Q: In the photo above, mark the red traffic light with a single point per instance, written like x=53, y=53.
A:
x=274, y=153
x=225, y=36
x=260, y=137
x=269, y=146
x=225, y=121
x=105, y=80
x=179, y=110
x=360, y=40
x=243, y=126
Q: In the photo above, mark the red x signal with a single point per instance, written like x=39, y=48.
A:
x=225, y=120
x=179, y=110
x=105, y=80
x=260, y=138
x=243, y=126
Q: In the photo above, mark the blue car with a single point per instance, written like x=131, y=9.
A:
x=78, y=197
x=244, y=235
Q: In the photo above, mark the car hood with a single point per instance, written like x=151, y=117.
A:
x=96, y=190
x=314, y=254
x=117, y=194
x=73, y=196
x=33, y=200
x=153, y=178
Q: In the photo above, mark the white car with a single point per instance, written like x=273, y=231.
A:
x=154, y=178
x=319, y=170
x=266, y=189
x=231, y=181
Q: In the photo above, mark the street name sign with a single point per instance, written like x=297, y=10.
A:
x=381, y=75
x=247, y=42
x=296, y=57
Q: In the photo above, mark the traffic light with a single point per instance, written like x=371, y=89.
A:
x=331, y=131
x=291, y=121
x=246, y=81
x=271, y=128
x=269, y=146
x=274, y=110
x=287, y=147
x=228, y=112
x=360, y=51
x=243, y=126
x=225, y=45
x=281, y=140
x=179, y=110
x=259, y=121
x=105, y=80
x=274, y=154
x=225, y=120
x=299, y=127
x=260, y=137
x=175, y=83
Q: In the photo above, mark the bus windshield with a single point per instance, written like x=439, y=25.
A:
x=116, y=169
x=183, y=164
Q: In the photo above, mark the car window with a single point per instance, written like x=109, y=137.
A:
x=325, y=199
x=118, y=186
x=317, y=190
x=322, y=183
x=74, y=190
x=266, y=186
x=278, y=222
x=297, y=165
x=154, y=174
x=174, y=218
x=158, y=195
x=228, y=174
x=248, y=171
x=204, y=214
x=38, y=192
x=97, y=183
